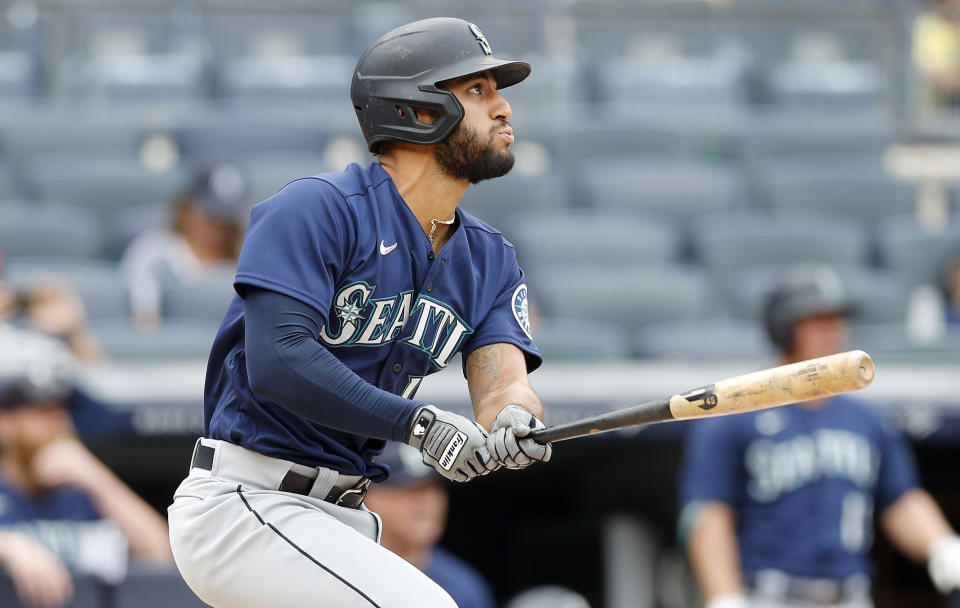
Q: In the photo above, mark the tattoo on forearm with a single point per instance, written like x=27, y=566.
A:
x=484, y=367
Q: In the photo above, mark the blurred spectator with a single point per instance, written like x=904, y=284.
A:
x=412, y=503
x=936, y=51
x=52, y=308
x=951, y=285
x=779, y=504
x=206, y=231
x=61, y=509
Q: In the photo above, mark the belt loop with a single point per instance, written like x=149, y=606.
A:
x=326, y=479
x=193, y=456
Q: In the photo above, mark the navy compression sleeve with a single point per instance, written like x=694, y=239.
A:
x=287, y=365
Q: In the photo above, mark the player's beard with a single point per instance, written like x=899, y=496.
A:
x=465, y=155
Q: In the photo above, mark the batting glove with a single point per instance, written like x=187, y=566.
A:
x=453, y=445
x=506, y=441
x=944, y=564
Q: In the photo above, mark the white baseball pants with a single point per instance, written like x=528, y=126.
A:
x=241, y=543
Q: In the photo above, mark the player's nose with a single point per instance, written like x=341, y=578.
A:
x=501, y=109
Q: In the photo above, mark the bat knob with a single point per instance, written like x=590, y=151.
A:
x=865, y=367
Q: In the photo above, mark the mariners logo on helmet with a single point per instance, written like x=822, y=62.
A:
x=483, y=41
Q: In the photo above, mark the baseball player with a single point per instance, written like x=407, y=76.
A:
x=779, y=504
x=351, y=288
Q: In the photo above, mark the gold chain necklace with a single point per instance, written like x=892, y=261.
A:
x=433, y=226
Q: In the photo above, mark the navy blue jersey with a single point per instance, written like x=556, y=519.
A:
x=805, y=483
x=65, y=521
x=461, y=581
x=56, y=504
x=347, y=245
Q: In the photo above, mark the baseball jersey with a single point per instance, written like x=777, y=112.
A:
x=347, y=245
x=461, y=581
x=804, y=482
x=65, y=521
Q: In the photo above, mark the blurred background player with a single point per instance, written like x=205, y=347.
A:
x=778, y=505
x=61, y=509
x=413, y=504
x=205, y=232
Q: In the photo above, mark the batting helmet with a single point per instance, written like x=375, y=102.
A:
x=803, y=291
x=34, y=368
x=400, y=72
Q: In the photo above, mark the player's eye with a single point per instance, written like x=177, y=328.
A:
x=476, y=89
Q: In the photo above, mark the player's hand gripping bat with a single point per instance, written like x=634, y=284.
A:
x=793, y=383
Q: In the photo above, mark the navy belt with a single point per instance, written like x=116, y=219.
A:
x=296, y=483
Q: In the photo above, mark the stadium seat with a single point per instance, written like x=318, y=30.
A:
x=891, y=343
x=96, y=282
x=240, y=134
x=155, y=587
x=627, y=294
x=104, y=185
x=7, y=190
x=18, y=72
x=681, y=187
x=846, y=184
x=725, y=244
x=124, y=78
x=268, y=173
x=23, y=140
x=713, y=81
x=87, y=593
x=283, y=79
x=783, y=133
x=705, y=340
x=877, y=296
x=918, y=255
x=32, y=229
x=204, y=299
x=561, y=236
x=676, y=133
x=175, y=339
x=494, y=200
x=851, y=86
x=580, y=340
x=123, y=226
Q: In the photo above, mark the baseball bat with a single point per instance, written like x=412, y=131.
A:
x=783, y=385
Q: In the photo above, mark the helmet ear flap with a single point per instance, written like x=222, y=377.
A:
x=395, y=119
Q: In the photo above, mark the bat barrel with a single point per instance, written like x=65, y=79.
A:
x=792, y=383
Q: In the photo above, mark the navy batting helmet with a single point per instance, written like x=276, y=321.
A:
x=400, y=72
x=803, y=291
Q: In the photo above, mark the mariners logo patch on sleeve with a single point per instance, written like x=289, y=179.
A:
x=520, y=312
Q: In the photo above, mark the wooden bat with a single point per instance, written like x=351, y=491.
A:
x=792, y=383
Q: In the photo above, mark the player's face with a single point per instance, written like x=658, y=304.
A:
x=819, y=336
x=479, y=148
x=23, y=430
x=415, y=516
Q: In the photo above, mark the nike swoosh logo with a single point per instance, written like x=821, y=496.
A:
x=384, y=250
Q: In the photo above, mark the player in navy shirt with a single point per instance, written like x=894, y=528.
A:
x=351, y=289
x=779, y=504
x=61, y=509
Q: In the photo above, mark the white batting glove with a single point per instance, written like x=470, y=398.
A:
x=506, y=443
x=453, y=445
x=732, y=600
x=944, y=564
